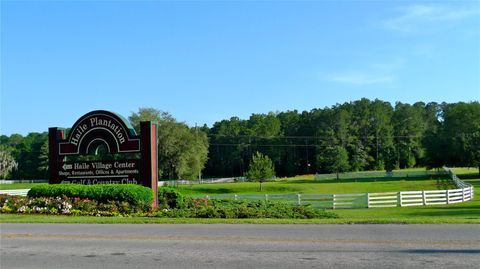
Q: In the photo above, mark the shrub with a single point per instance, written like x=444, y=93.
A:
x=135, y=195
x=170, y=198
x=220, y=208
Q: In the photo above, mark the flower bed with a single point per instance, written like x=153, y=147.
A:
x=172, y=204
x=66, y=206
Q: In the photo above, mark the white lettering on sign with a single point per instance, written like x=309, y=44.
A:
x=124, y=165
x=100, y=165
x=94, y=181
x=98, y=122
x=81, y=166
x=94, y=122
x=78, y=133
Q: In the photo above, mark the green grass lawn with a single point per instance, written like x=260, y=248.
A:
x=15, y=186
x=306, y=184
x=468, y=212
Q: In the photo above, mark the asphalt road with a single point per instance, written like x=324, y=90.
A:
x=239, y=246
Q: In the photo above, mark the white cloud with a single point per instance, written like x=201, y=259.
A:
x=420, y=17
x=375, y=73
x=360, y=78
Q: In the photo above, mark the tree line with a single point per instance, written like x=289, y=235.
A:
x=353, y=136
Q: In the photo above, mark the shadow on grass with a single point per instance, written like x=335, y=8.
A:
x=439, y=178
x=213, y=190
x=469, y=176
x=458, y=211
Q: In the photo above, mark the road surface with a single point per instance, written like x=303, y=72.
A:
x=239, y=246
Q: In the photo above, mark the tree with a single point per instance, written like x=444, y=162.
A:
x=433, y=142
x=382, y=130
x=26, y=152
x=182, y=151
x=192, y=149
x=7, y=163
x=336, y=160
x=359, y=156
x=230, y=148
x=43, y=158
x=390, y=158
x=461, y=133
x=260, y=169
x=409, y=127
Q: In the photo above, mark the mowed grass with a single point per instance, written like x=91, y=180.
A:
x=468, y=212
x=16, y=186
x=462, y=213
x=307, y=184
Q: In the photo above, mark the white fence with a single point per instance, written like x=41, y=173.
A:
x=13, y=181
x=464, y=192
x=202, y=181
x=20, y=192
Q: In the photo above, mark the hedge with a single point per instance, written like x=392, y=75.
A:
x=134, y=194
x=232, y=209
x=170, y=198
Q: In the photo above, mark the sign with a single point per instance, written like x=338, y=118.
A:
x=101, y=172
x=115, y=135
x=104, y=127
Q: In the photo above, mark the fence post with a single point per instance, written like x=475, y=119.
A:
x=333, y=201
x=368, y=200
x=299, y=199
x=266, y=197
x=424, y=198
x=235, y=197
x=463, y=194
x=207, y=197
x=448, y=196
x=400, y=198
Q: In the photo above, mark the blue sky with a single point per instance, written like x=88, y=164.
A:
x=204, y=61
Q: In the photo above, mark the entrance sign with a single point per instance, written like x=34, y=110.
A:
x=101, y=172
x=103, y=130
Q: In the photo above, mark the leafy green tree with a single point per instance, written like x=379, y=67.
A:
x=182, y=151
x=362, y=130
x=409, y=127
x=432, y=141
x=390, y=158
x=335, y=160
x=287, y=162
x=7, y=163
x=230, y=148
x=359, y=157
x=192, y=152
x=461, y=133
x=382, y=131
x=26, y=152
x=43, y=158
x=261, y=169
x=264, y=125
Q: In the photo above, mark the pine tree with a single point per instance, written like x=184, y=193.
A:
x=261, y=169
